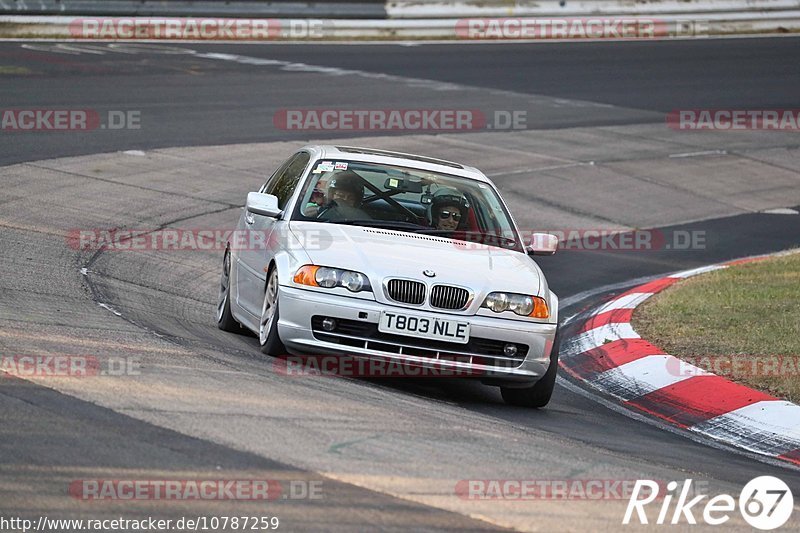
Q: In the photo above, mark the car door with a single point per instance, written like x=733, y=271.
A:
x=257, y=253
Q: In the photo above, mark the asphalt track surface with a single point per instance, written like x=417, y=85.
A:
x=189, y=101
x=50, y=438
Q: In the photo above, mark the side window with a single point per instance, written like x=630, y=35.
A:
x=274, y=176
x=283, y=183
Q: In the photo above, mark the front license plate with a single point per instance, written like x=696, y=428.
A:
x=438, y=329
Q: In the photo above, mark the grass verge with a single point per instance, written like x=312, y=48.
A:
x=742, y=322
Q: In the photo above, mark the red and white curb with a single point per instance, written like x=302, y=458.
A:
x=609, y=355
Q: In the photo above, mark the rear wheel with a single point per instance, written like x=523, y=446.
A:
x=268, y=336
x=539, y=394
x=225, y=320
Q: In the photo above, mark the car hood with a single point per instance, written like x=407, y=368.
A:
x=381, y=253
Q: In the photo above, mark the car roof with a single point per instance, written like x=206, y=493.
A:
x=386, y=157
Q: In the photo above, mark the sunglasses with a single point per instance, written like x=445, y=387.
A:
x=444, y=215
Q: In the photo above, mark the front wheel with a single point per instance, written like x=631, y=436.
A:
x=225, y=320
x=539, y=394
x=268, y=336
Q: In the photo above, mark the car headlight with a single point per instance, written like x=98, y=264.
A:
x=328, y=278
x=521, y=304
x=354, y=281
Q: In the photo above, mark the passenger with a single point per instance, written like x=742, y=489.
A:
x=314, y=204
x=345, y=194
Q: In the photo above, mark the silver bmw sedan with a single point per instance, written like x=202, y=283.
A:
x=364, y=253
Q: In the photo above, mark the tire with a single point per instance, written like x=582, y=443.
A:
x=268, y=336
x=225, y=320
x=539, y=394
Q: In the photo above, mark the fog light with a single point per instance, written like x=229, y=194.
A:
x=509, y=349
x=329, y=324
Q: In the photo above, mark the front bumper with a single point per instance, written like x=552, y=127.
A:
x=297, y=307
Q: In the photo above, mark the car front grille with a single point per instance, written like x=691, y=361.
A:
x=447, y=297
x=365, y=335
x=406, y=291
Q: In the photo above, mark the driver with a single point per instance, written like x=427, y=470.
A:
x=449, y=210
x=345, y=193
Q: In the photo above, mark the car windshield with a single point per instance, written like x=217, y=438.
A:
x=406, y=199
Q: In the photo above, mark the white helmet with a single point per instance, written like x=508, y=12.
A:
x=447, y=196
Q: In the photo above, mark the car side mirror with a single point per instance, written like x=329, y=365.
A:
x=542, y=244
x=263, y=204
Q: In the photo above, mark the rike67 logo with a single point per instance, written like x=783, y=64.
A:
x=765, y=503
